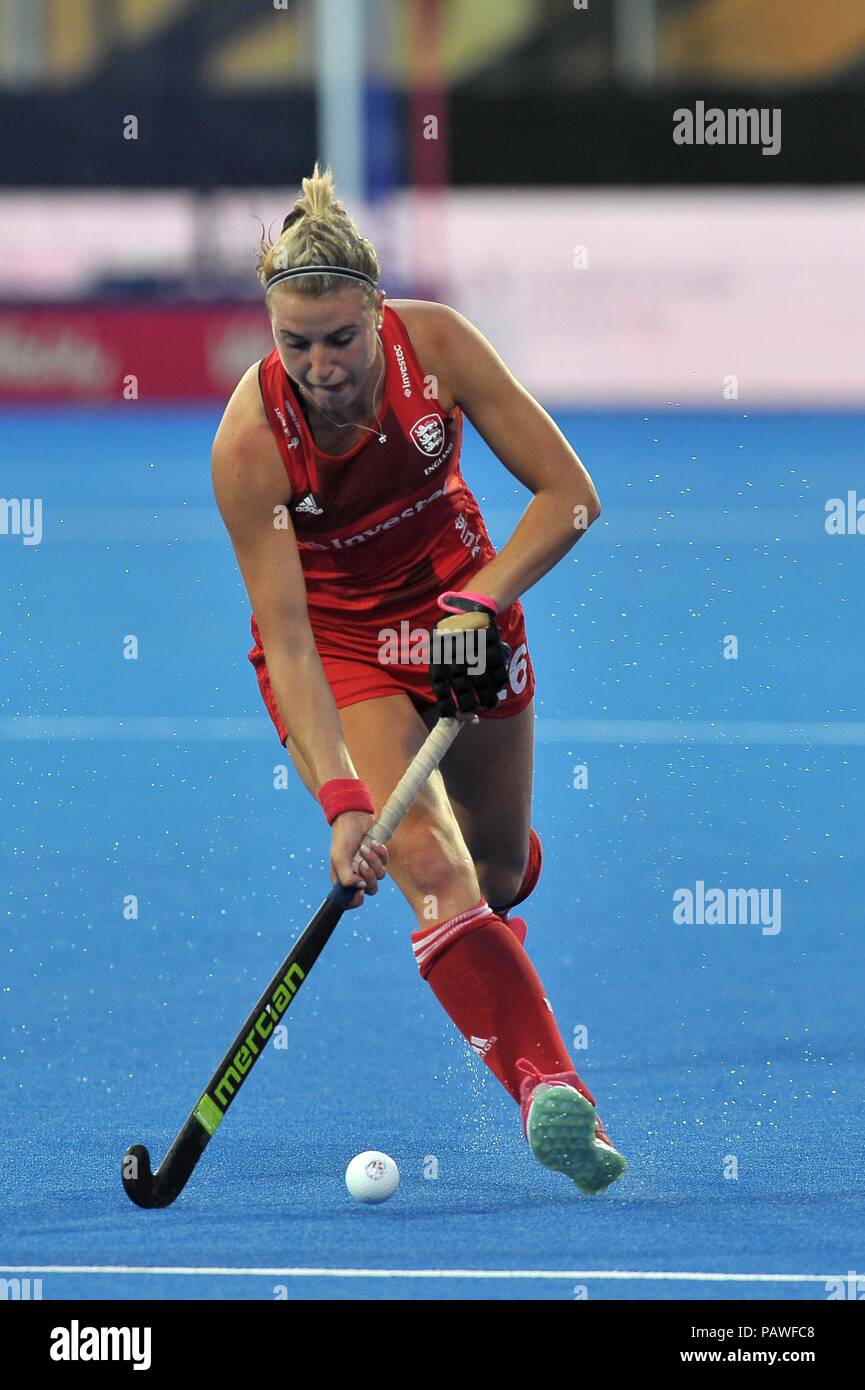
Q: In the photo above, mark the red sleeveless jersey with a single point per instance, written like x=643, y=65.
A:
x=385, y=528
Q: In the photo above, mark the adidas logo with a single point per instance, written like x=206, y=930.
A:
x=309, y=504
x=482, y=1045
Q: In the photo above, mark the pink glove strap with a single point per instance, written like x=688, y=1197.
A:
x=343, y=794
x=466, y=593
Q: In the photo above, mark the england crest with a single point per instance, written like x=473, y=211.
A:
x=429, y=435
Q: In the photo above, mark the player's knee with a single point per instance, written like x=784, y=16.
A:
x=500, y=879
x=426, y=857
x=506, y=878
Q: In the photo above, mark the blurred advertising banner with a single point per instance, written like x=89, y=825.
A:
x=110, y=352
x=670, y=297
x=592, y=297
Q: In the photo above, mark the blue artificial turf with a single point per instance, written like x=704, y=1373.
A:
x=711, y=1048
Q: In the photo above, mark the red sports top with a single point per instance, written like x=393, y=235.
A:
x=385, y=528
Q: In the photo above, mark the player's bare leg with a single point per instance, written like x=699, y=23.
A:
x=475, y=965
x=427, y=857
x=487, y=774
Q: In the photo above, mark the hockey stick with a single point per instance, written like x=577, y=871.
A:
x=159, y=1189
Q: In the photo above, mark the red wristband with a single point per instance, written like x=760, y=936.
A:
x=343, y=794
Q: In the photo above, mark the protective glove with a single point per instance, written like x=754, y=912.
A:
x=471, y=666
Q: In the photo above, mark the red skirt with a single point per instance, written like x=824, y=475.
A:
x=375, y=665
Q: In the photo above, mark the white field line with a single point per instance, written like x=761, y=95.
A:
x=195, y=729
x=689, y=1276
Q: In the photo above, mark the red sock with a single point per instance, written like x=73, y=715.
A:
x=484, y=980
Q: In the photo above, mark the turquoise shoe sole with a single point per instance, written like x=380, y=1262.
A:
x=561, y=1135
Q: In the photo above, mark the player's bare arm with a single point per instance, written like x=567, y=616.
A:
x=252, y=494
x=530, y=446
x=251, y=491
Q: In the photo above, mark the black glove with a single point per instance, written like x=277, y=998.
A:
x=472, y=664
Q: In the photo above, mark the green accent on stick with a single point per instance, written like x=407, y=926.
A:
x=208, y=1115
